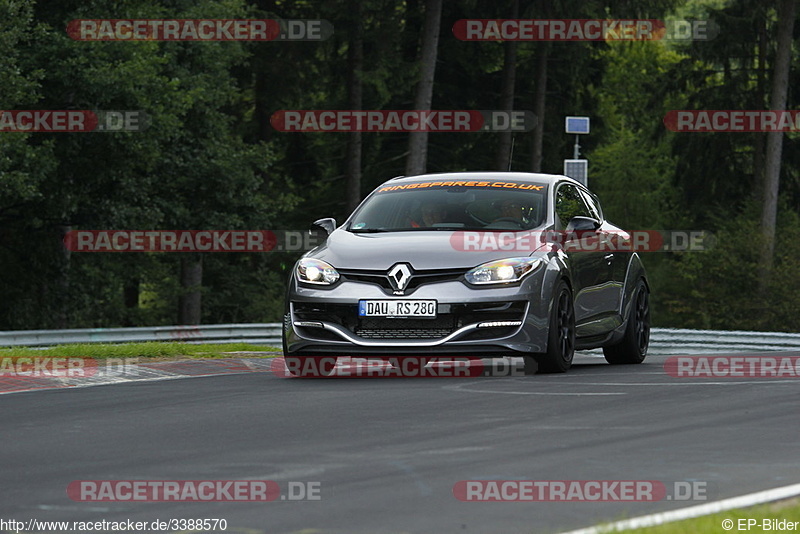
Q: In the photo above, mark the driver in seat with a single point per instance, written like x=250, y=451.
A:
x=515, y=212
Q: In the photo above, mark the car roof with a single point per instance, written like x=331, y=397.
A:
x=539, y=178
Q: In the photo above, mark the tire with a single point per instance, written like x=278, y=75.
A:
x=560, y=335
x=633, y=346
x=311, y=366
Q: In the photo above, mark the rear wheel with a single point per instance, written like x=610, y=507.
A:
x=311, y=366
x=561, y=334
x=633, y=346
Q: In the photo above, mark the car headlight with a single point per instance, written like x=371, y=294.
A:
x=502, y=271
x=315, y=271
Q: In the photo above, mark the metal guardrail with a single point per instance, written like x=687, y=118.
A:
x=663, y=340
x=257, y=333
x=684, y=341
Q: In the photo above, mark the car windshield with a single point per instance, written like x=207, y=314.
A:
x=501, y=206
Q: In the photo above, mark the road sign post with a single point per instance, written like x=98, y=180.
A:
x=577, y=168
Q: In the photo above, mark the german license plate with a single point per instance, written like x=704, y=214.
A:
x=397, y=308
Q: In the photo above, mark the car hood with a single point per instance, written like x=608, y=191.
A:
x=430, y=249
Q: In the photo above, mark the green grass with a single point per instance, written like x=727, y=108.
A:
x=165, y=350
x=788, y=510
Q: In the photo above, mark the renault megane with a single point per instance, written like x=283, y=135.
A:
x=481, y=264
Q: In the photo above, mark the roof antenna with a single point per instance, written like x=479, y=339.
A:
x=511, y=152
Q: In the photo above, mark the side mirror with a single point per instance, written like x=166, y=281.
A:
x=582, y=224
x=328, y=225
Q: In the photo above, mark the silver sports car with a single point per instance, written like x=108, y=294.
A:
x=478, y=264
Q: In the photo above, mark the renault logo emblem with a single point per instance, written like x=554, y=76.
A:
x=399, y=275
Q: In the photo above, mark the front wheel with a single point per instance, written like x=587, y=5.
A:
x=633, y=346
x=561, y=334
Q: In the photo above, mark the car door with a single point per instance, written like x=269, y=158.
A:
x=589, y=264
x=616, y=255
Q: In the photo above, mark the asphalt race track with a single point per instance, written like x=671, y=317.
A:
x=387, y=453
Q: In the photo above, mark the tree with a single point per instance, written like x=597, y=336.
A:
x=355, y=66
x=772, y=170
x=505, y=139
x=416, y=162
x=539, y=106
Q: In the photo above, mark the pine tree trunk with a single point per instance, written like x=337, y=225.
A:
x=761, y=82
x=772, y=166
x=539, y=106
x=505, y=140
x=355, y=65
x=62, y=282
x=416, y=162
x=189, y=305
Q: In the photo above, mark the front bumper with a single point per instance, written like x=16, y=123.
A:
x=498, y=320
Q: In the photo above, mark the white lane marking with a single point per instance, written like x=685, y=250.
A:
x=295, y=473
x=541, y=393
x=464, y=387
x=743, y=501
x=576, y=373
x=250, y=365
x=458, y=450
x=689, y=382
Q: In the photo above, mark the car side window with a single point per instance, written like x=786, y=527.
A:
x=594, y=205
x=569, y=204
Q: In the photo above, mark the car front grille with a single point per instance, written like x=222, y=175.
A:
x=380, y=328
